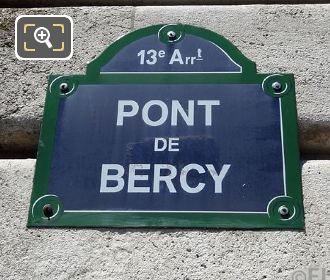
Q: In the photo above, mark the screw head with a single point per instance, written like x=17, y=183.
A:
x=64, y=87
x=48, y=210
x=283, y=211
x=277, y=86
x=171, y=35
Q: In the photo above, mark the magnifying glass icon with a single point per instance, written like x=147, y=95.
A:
x=41, y=35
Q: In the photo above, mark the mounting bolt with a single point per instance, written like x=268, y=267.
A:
x=283, y=211
x=171, y=35
x=277, y=86
x=48, y=210
x=64, y=87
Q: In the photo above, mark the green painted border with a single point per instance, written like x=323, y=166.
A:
x=180, y=219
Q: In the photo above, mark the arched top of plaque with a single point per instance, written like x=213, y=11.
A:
x=172, y=48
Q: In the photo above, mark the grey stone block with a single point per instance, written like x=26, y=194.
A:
x=279, y=38
x=24, y=82
x=159, y=253
x=63, y=3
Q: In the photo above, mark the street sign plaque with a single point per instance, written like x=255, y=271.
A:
x=170, y=127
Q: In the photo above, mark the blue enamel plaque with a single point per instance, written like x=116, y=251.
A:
x=170, y=127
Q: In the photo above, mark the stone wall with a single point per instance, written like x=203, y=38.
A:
x=279, y=38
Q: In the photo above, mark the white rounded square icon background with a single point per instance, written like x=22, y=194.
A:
x=43, y=37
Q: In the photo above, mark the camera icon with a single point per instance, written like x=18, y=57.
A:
x=42, y=37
